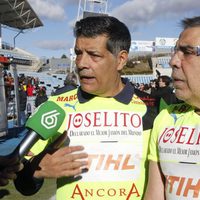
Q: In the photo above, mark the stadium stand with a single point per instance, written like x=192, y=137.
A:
x=50, y=81
x=25, y=61
x=161, y=64
x=140, y=78
x=164, y=61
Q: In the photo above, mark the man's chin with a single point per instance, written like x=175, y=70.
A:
x=184, y=96
x=180, y=94
x=88, y=89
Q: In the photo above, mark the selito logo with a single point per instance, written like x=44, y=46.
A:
x=49, y=120
x=100, y=119
x=181, y=135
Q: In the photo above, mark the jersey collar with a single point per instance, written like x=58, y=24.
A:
x=124, y=96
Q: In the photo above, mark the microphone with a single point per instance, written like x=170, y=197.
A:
x=42, y=124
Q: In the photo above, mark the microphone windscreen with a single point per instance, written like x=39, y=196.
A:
x=46, y=120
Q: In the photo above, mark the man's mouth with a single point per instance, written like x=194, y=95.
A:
x=175, y=79
x=86, y=77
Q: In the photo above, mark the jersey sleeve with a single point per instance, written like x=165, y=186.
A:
x=153, y=144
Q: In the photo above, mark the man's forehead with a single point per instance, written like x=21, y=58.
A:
x=96, y=37
x=190, y=36
x=96, y=42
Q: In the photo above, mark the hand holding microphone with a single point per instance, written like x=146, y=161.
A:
x=54, y=161
x=43, y=124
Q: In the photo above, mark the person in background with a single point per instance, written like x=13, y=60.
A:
x=41, y=96
x=22, y=104
x=9, y=86
x=28, y=109
x=141, y=87
x=164, y=92
x=70, y=83
x=30, y=89
x=174, y=169
x=106, y=115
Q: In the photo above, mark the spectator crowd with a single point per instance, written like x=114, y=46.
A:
x=161, y=88
x=29, y=88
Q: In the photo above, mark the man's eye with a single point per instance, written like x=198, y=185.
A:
x=188, y=51
x=94, y=55
x=77, y=52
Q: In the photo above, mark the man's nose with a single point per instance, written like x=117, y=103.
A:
x=175, y=60
x=82, y=61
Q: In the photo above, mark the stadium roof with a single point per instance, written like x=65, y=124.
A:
x=18, y=14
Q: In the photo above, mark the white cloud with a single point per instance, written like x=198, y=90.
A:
x=53, y=45
x=68, y=2
x=48, y=9
x=137, y=12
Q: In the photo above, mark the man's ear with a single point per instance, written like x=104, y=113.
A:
x=122, y=59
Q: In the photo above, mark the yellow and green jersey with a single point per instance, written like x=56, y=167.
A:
x=175, y=143
x=115, y=133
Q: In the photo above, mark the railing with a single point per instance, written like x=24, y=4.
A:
x=15, y=54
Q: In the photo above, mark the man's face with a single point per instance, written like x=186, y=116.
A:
x=97, y=67
x=186, y=67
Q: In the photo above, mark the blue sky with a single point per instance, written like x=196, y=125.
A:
x=146, y=20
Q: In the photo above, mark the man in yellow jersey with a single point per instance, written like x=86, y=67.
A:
x=174, y=169
x=106, y=115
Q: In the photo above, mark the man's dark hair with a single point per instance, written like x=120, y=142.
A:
x=119, y=37
x=190, y=22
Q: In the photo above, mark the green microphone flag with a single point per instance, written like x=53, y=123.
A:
x=46, y=120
